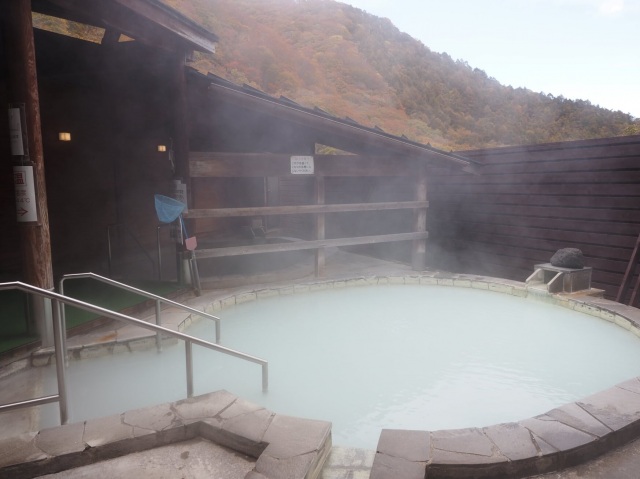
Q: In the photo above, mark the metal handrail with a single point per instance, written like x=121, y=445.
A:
x=158, y=299
x=61, y=397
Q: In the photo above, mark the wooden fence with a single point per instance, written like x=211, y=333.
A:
x=531, y=201
x=208, y=165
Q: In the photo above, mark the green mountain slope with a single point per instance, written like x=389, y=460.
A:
x=350, y=63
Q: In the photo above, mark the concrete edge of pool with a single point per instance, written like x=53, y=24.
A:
x=562, y=437
x=283, y=446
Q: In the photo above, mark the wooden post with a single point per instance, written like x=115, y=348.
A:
x=23, y=88
x=181, y=158
x=320, y=227
x=418, y=251
x=180, y=121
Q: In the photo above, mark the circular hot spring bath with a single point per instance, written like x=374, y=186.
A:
x=366, y=358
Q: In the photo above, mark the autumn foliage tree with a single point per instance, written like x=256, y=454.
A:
x=350, y=63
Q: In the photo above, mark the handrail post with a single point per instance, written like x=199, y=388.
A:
x=60, y=362
x=63, y=323
x=265, y=376
x=159, y=323
x=189, y=361
x=145, y=294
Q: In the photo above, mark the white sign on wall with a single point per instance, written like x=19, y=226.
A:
x=26, y=207
x=302, y=165
x=15, y=132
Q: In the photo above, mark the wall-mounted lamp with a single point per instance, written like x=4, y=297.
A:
x=163, y=149
x=64, y=136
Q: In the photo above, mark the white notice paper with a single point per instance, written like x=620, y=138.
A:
x=302, y=165
x=15, y=132
x=26, y=207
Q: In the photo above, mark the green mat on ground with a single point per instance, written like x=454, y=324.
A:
x=13, y=306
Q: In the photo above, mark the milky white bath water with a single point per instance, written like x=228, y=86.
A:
x=368, y=358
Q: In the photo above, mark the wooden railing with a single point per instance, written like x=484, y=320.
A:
x=211, y=165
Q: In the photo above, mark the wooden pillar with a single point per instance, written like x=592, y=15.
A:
x=418, y=251
x=180, y=122
x=320, y=226
x=180, y=147
x=35, y=239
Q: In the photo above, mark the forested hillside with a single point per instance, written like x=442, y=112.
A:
x=350, y=63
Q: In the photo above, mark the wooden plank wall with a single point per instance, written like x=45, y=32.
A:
x=531, y=201
x=296, y=190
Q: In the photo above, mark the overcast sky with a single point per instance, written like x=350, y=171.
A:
x=580, y=49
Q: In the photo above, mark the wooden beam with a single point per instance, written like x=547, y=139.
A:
x=147, y=21
x=190, y=32
x=180, y=127
x=302, y=245
x=302, y=209
x=320, y=227
x=204, y=165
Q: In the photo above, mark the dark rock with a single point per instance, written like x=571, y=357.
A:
x=568, y=258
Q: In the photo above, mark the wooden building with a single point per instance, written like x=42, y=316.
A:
x=234, y=147
x=115, y=99
x=119, y=97
x=244, y=146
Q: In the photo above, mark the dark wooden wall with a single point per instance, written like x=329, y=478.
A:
x=115, y=103
x=531, y=201
x=527, y=203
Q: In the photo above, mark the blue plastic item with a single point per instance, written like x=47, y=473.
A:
x=168, y=209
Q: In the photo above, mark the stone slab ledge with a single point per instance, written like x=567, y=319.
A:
x=563, y=437
x=284, y=446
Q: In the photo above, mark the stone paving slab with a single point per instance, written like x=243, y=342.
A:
x=287, y=447
x=193, y=459
x=412, y=446
x=565, y=436
x=348, y=463
x=621, y=463
x=391, y=467
x=298, y=445
x=617, y=408
x=577, y=417
x=19, y=449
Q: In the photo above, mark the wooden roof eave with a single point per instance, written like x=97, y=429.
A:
x=190, y=32
x=147, y=21
x=345, y=135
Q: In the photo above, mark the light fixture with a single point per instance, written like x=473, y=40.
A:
x=64, y=136
x=162, y=147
